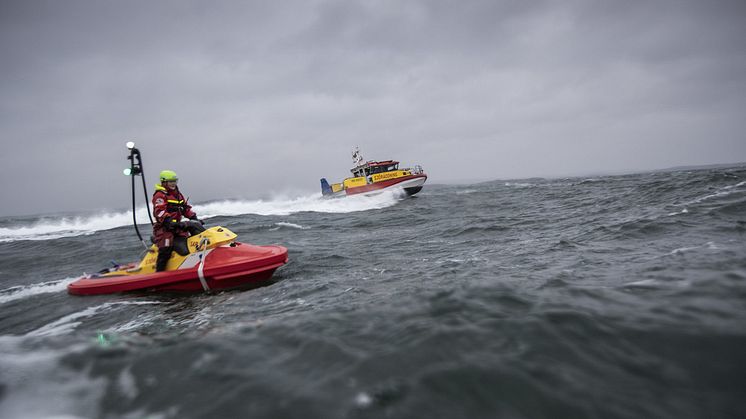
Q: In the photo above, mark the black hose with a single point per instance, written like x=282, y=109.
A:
x=136, y=170
x=144, y=188
x=132, y=175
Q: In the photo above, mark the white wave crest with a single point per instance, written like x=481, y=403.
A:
x=25, y=291
x=50, y=228
x=289, y=225
x=520, y=185
x=724, y=191
x=684, y=211
x=68, y=323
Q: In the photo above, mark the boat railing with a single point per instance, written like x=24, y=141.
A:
x=417, y=170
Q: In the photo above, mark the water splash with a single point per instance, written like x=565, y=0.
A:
x=55, y=228
x=309, y=203
x=25, y=291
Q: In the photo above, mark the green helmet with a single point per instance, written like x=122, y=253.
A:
x=169, y=176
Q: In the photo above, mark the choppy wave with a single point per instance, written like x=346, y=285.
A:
x=289, y=225
x=36, y=385
x=520, y=184
x=50, y=228
x=574, y=294
x=69, y=322
x=721, y=193
x=25, y=291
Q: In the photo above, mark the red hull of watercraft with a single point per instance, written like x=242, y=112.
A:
x=225, y=267
x=416, y=180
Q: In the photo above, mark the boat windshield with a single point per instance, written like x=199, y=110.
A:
x=368, y=169
x=383, y=169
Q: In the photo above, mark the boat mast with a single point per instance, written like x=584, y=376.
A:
x=357, y=161
x=357, y=158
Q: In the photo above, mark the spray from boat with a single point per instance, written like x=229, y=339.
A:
x=50, y=228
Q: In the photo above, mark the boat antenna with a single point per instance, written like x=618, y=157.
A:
x=136, y=169
x=357, y=158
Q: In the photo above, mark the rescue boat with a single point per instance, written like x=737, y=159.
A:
x=216, y=261
x=375, y=176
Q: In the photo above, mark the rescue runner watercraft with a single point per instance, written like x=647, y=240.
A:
x=375, y=176
x=215, y=261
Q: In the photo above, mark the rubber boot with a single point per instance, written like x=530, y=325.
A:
x=164, y=254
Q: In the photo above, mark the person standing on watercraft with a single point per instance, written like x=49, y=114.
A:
x=169, y=231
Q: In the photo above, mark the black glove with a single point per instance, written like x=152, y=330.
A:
x=194, y=226
x=169, y=224
x=197, y=220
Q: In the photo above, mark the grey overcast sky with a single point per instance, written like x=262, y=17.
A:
x=247, y=99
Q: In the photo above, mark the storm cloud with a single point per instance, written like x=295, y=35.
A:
x=250, y=99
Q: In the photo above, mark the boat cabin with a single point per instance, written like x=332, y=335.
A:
x=373, y=167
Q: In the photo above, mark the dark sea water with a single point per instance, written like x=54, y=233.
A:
x=605, y=297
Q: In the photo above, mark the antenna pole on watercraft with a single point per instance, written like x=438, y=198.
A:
x=136, y=169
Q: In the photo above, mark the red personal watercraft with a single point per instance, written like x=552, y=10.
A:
x=212, y=260
x=215, y=262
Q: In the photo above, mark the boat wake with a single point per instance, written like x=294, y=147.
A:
x=309, y=203
x=45, y=228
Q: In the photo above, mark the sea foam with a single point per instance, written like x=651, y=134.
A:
x=55, y=228
x=25, y=291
